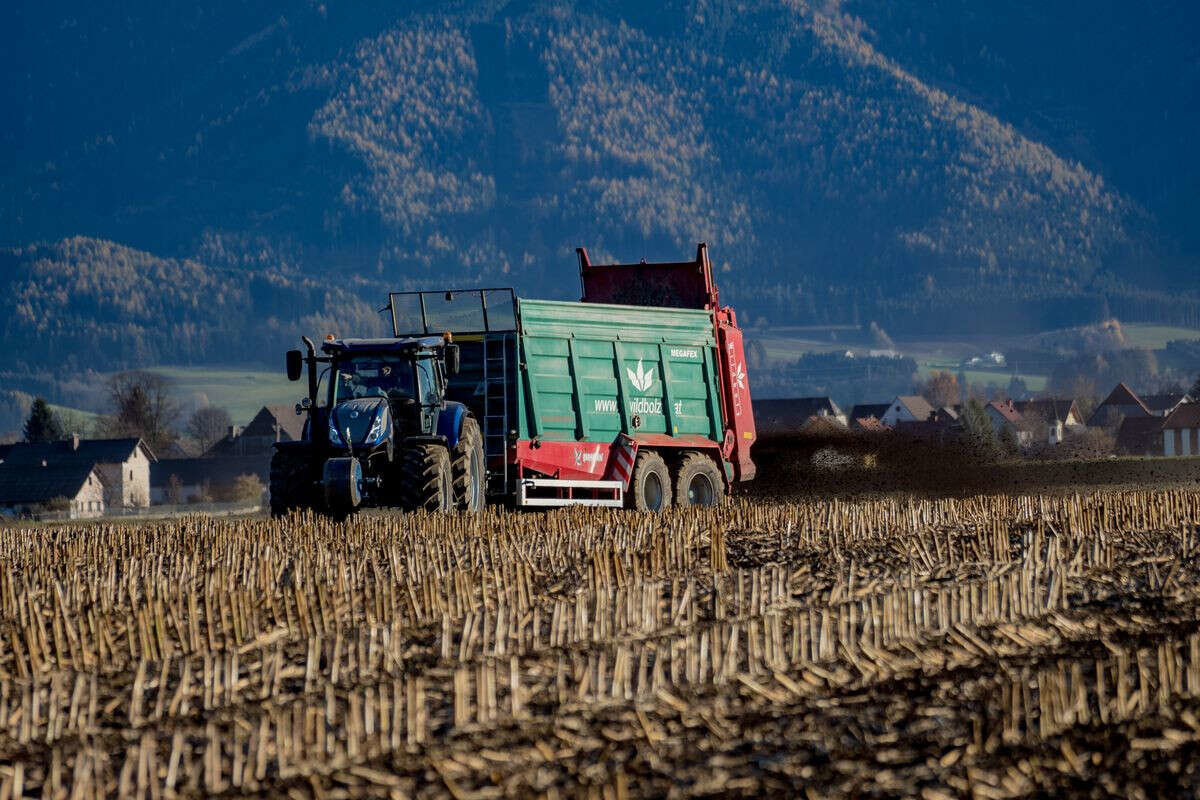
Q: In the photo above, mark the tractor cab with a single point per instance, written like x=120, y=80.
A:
x=407, y=377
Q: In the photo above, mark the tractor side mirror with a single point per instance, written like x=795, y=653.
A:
x=452, y=359
x=295, y=365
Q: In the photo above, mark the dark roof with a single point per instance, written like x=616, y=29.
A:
x=268, y=417
x=37, y=484
x=1163, y=402
x=1139, y=435
x=219, y=471
x=1120, y=397
x=781, y=416
x=864, y=410
x=1050, y=409
x=1186, y=416
x=89, y=451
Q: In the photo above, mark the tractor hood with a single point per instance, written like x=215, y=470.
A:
x=367, y=421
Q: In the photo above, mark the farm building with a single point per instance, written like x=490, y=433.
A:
x=1181, y=431
x=1140, y=436
x=122, y=464
x=1121, y=402
x=270, y=425
x=792, y=415
x=73, y=489
x=1061, y=416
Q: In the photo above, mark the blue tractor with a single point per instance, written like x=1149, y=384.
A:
x=380, y=431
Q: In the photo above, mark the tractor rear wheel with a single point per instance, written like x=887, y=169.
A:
x=698, y=481
x=291, y=481
x=426, y=480
x=469, y=468
x=650, y=488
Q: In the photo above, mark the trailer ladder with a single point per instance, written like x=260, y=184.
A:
x=495, y=410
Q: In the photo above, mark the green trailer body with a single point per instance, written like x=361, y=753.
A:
x=591, y=372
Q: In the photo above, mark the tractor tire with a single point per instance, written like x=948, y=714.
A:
x=650, y=487
x=469, y=468
x=698, y=482
x=426, y=479
x=291, y=486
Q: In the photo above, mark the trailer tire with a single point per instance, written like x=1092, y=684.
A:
x=291, y=484
x=698, y=481
x=426, y=479
x=469, y=468
x=650, y=487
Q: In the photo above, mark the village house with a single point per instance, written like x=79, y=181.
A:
x=1181, y=431
x=1121, y=402
x=1004, y=416
x=270, y=425
x=123, y=465
x=73, y=490
x=1060, y=416
x=793, y=415
x=907, y=408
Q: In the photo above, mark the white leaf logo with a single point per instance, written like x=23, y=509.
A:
x=739, y=376
x=643, y=379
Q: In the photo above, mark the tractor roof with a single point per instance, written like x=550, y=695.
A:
x=403, y=343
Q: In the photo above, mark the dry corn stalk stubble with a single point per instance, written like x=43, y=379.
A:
x=995, y=645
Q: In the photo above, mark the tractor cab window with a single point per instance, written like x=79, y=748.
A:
x=425, y=378
x=373, y=376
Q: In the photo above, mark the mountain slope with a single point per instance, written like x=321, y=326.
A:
x=839, y=172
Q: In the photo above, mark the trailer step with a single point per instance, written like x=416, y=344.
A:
x=550, y=492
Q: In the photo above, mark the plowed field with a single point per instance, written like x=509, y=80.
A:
x=988, y=646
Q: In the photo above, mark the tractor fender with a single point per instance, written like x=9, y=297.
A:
x=449, y=422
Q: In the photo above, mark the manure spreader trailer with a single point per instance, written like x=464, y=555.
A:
x=637, y=396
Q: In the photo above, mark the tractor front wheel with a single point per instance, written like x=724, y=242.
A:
x=426, y=479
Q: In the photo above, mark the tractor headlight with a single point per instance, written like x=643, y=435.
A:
x=335, y=438
x=379, y=428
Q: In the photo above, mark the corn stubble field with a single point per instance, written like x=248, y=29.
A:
x=995, y=646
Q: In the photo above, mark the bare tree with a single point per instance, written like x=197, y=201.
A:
x=941, y=389
x=208, y=426
x=142, y=406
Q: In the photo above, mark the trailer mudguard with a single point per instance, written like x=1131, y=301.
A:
x=450, y=421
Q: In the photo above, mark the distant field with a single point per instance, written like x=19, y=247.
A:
x=240, y=391
x=1155, y=337
x=1000, y=377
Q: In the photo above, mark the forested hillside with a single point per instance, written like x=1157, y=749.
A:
x=936, y=167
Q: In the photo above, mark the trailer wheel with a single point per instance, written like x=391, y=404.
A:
x=698, y=481
x=426, y=479
x=291, y=485
x=469, y=468
x=650, y=488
